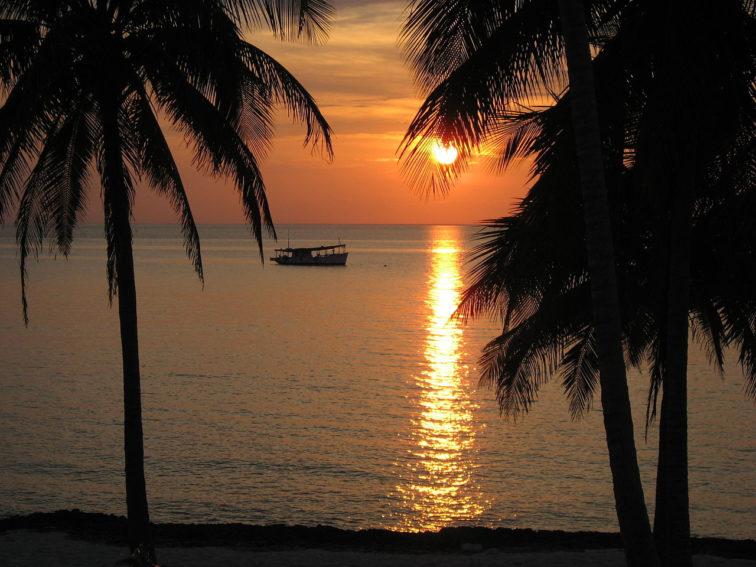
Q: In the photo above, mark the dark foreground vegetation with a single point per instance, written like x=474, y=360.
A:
x=112, y=529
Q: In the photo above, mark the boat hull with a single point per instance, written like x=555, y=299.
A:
x=326, y=260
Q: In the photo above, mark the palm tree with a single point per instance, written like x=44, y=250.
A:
x=479, y=60
x=723, y=178
x=530, y=268
x=84, y=86
x=680, y=132
x=615, y=399
x=467, y=105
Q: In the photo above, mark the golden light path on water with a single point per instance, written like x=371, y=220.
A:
x=440, y=490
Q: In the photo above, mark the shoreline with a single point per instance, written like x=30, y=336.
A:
x=110, y=529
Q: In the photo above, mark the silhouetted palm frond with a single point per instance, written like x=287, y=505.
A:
x=477, y=63
x=580, y=373
x=288, y=19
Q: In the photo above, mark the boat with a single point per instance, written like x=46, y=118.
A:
x=333, y=255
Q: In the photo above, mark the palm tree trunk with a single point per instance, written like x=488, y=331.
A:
x=117, y=198
x=676, y=113
x=672, y=516
x=136, y=492
x=615, y=400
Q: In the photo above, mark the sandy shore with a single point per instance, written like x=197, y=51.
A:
x=25, y=548
x=68, y=539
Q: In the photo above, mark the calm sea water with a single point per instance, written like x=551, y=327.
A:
x=306, y=395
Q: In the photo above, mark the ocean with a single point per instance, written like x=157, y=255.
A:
x=342, y=396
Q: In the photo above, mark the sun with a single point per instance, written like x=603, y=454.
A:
x=444, y=153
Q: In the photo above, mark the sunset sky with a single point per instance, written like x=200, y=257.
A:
x=366, y=93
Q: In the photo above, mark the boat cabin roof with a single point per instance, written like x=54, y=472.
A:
x=313, y=249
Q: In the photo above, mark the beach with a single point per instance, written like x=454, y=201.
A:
x=73, y=538
x=22, y=548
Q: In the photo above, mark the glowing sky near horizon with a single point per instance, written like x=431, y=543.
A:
x=366, y=93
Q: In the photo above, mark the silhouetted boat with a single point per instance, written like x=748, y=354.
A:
x=334, y=255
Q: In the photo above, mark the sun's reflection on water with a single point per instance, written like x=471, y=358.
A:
x=437, y=488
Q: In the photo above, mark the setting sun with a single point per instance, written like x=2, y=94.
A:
x=444, y=153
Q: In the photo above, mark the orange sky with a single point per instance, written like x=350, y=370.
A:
x=367, y=95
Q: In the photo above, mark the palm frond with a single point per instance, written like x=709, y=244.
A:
x=516, y=61
x=441, y=36
x=219, y=149
x=71, y=152
x=708, y=330
x=113, y=153
x=287, y=19
x=242, y=81
x=487, y=294
x=285, y=89
x=14, y=172
x=655, y=383
x=747, y=359
x=532, y=349
x=155, y=160
x=210, y=61
x=19, y=41
x=742, y=334
x=517, y=373
x=36, y=11
x=34, y=213
x=579, y=371
x=30, y=112
x=517, y=363
x=514, y=136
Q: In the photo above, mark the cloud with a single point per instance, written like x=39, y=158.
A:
x=361, y=60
